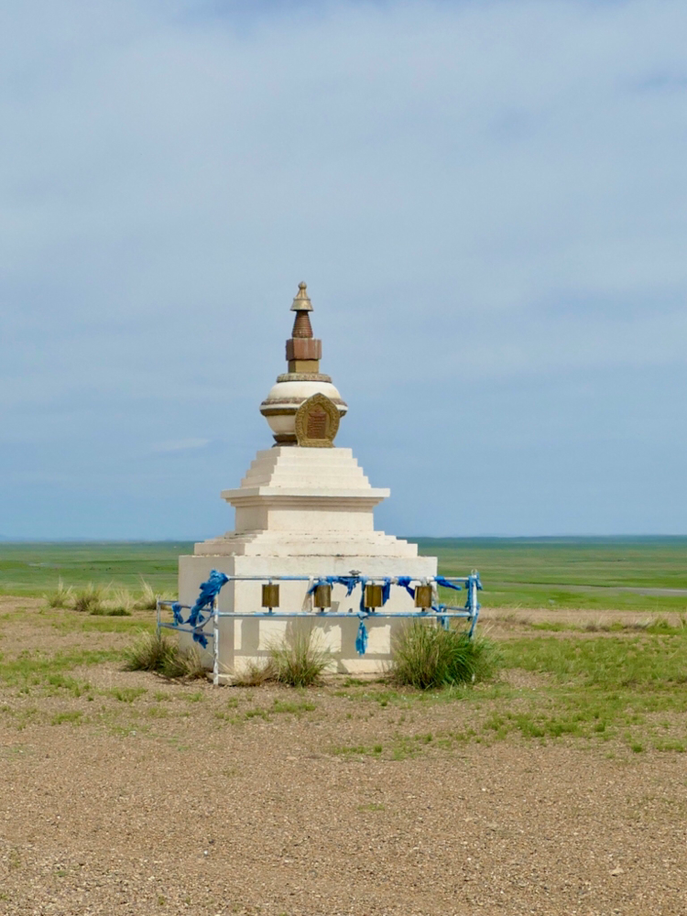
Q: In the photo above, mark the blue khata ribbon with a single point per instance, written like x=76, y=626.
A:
x=361, y=638
x=440, y=580
x=196, y=619
x=405, y=582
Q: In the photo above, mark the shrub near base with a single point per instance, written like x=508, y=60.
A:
x=427, y=657
x=152, y=652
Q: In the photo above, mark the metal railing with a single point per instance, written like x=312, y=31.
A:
x=444, y=613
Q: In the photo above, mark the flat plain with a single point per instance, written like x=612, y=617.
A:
x=558, y=788
x=644, y=574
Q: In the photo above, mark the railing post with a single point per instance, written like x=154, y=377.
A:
x=215, y=641
x=473, y=603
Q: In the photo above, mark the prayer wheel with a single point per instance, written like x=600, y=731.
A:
x=373, y=596
x=323, y=596
x=423, y=596
x=270, y=595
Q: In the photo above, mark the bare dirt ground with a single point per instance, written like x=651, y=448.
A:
x=125, y=794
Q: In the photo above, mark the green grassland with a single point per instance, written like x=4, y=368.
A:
x=587, y=573
x=34, y=568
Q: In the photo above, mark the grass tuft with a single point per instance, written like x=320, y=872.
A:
x=429, y=657
x=89, y=600
x=299, y=661
x=122, y=603
x=254, y=674
x=147, y=600
x=154, y=652
x=60, y=597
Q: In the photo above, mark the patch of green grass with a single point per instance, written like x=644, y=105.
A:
x=127, y=694
x=60, y=681
x=349, y=750
x=72, y=623
x=405, y=747
x=554, y=626
x=257, y=712
x=158, y=712
x=73, y=717
x=610, y=663
x=666, y=745
x=357, y=750
x=111, y=612
x=296, y=708
x=38, y=669
x=21, y=716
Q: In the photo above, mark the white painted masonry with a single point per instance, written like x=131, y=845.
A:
x=303, y=511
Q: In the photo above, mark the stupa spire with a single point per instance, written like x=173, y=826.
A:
x=303, y=379
x=303, y=351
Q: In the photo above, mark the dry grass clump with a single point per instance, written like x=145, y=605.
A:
x=102, y=600
x=154, y=652
x=89, y=599
x=60, y=597
x=299, y=661
x=254, y=674
x=147, y=600
x=428, y=657
x=122, y=604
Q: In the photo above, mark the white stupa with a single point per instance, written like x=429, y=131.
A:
x=304, y=508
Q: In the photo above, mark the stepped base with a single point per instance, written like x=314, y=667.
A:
x=303, y=512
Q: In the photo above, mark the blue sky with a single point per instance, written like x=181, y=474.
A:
x=487, y=200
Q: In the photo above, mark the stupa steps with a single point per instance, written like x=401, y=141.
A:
x=291, y=467
x=269, y=543
x=308, y=480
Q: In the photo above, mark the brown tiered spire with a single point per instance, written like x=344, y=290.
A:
x=303, y=351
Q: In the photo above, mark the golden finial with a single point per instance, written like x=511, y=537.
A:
x=302, y=303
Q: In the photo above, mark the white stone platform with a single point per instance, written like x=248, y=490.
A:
x=303, y=512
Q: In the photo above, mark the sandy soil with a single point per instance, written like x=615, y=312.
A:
x=188, y=799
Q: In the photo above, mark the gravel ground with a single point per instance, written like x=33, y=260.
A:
x=136, y=796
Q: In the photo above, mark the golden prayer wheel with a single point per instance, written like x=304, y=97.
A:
x=373, y=596
x=323, y=596
x=270, y=595
x=423, y=596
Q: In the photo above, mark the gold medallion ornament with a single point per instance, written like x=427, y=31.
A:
x=317, y=422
